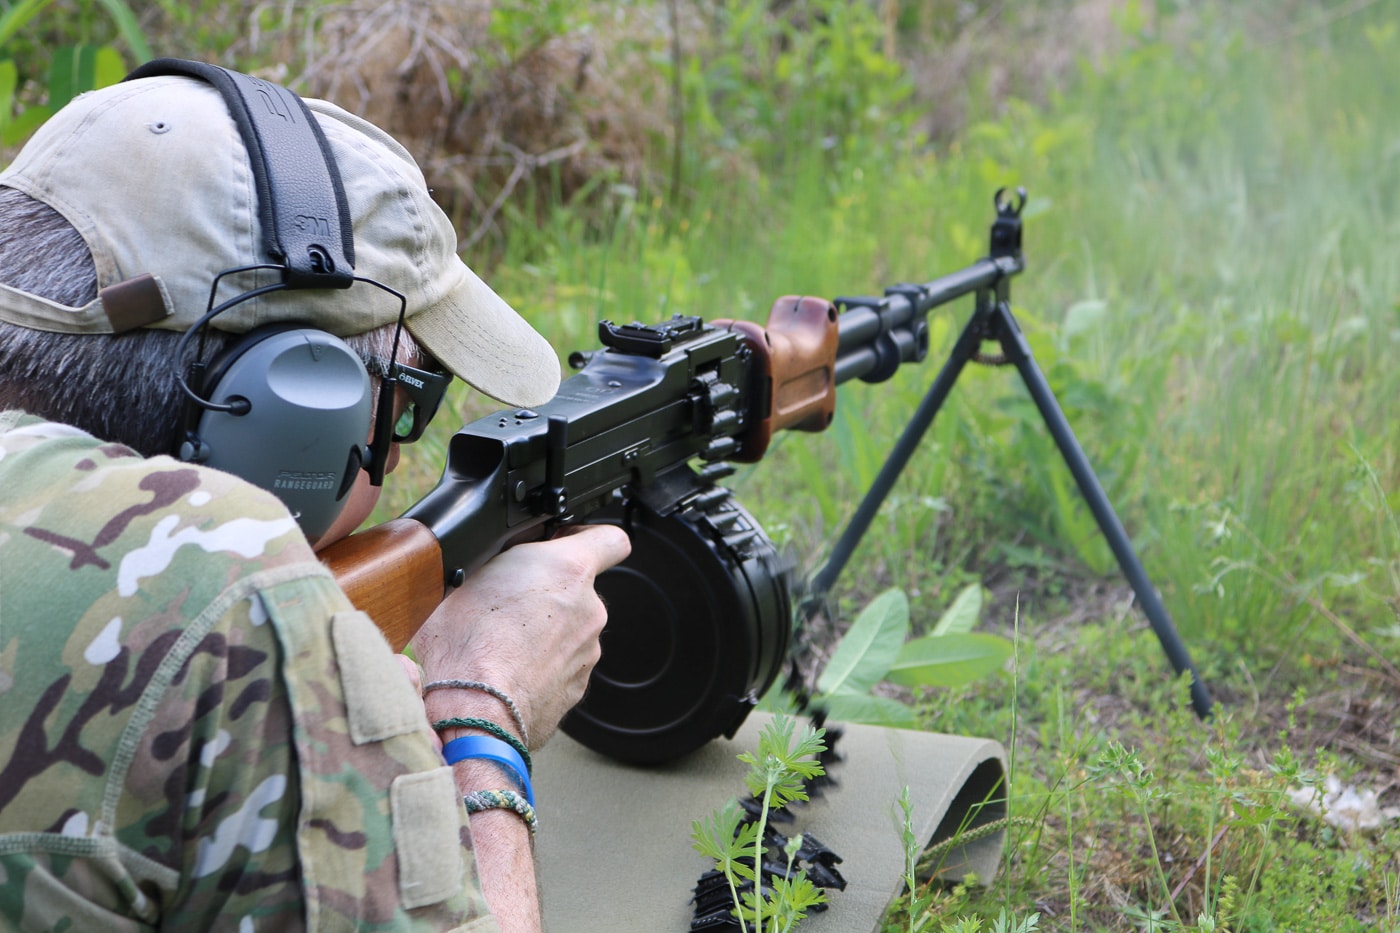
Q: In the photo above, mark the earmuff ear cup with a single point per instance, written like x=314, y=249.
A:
x=308, y=418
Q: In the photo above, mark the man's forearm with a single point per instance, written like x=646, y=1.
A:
x=505, y=859
x=501, y=839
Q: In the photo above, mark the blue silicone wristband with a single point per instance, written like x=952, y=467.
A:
x=493, y=749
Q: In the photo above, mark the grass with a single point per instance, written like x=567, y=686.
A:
x=1212, y=291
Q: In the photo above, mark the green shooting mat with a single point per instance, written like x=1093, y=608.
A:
x=614, y=851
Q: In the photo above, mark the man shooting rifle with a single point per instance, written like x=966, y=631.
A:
x=206, y=288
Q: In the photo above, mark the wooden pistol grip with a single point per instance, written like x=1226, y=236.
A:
x=797, y=352
x=393, y=573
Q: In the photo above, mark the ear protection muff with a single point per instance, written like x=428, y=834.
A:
x=285, y=407
x=289, y=411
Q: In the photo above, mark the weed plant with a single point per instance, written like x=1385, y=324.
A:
x=1207, y=293
x=1213, y=294
x=780, y=771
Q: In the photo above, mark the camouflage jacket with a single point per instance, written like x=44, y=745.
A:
x=197, y=731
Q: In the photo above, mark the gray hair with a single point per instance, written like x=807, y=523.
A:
x=118, y=387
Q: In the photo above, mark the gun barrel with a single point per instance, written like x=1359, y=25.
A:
x=877, y=334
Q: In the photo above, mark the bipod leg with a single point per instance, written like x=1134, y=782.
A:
x=967, y=345
x=1004, y=329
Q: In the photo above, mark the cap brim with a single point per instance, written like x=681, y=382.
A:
x=483, y=341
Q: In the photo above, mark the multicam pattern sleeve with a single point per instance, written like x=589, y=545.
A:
x=196, y=729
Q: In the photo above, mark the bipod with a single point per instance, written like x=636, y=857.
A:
x=992, y=321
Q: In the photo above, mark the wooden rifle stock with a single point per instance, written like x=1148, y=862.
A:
x=393, y=572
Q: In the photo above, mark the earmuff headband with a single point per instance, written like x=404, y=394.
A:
x=301, y=198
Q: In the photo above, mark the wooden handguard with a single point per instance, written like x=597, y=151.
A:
x=797, y=353
x=392, y=572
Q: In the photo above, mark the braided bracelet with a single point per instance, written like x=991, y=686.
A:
x=479, y=800
x=486, y=725
x=491, y=749
x=489, y=690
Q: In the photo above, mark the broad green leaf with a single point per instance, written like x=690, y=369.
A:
x=80, y=68
x=870, y=710
x=866, y=651
x=26, y=122
x=75, y=69
x=962, y=615
x=129, y=28
x=12, y=20
x=9, y=81
x=108, y=68
x=949, y=660
x=69, y=74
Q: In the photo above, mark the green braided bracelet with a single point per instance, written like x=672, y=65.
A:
x=487, y=726
x=479, y=800
x=487, y=689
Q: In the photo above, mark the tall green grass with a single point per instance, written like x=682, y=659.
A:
x=1212, y=290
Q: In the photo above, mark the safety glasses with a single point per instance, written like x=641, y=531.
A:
x=425, y=391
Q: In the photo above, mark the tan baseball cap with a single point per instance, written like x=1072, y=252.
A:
x=154, y=174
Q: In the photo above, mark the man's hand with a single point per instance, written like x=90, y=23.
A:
x=528, y=624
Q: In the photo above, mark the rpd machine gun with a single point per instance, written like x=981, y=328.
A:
x=700, y=615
